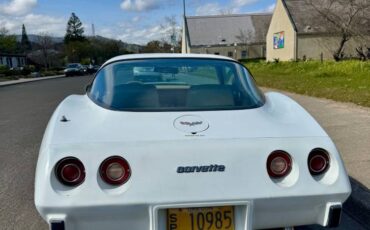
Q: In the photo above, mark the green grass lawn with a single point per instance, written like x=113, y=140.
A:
x=347, y=81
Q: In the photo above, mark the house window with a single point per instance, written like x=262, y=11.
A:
x=9, y=62
x=230, y=54
x=217, y=53
x=244, y=54
x=1, y=60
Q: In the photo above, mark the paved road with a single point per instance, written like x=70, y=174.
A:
x=24, y=112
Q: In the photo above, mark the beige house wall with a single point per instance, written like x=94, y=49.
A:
x=281, y=22
x=311, y=46
x=253, y=51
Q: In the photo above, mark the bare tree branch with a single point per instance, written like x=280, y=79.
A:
x=171, y=32
x=3, y=31
x=346, y=16
x=244, y=37
x=45, y=41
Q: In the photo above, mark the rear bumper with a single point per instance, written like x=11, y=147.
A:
x=256, y=214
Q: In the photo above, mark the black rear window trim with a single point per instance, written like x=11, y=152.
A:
x=176, y=109
x=195, y=58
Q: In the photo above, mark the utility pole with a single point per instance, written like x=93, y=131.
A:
x=184, y=32
x=93, y=29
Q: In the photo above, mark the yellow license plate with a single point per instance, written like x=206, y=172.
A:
x=211, y=218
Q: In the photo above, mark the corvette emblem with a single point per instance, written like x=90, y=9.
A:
x=191, y=123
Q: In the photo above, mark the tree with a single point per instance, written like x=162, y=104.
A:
x=102, y=49
x=75, y=41
x=152, y=47
x=8, y=43
x=171, y=32
x=46, y=43
x=78, y=50
x=3, y=31
x=75, y=30
x=244, y=37
x=348, y=18
x=363, y=52
x=25, y=42
x=156, y=46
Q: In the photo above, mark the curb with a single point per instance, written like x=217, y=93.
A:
x=25, y=80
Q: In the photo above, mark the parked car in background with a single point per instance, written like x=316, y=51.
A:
x=74, y=69
x=84, y=69
x=174, y=141
x=91, y=69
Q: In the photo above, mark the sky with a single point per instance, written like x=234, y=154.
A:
x=132, y=21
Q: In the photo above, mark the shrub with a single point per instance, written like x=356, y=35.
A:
x=3, y=67
x=4, y=70
x=26, y=71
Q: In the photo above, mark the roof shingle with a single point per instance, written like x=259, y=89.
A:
x=308, y=20
x=224, y=29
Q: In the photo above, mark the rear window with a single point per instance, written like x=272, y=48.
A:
x=180, y=84
x=72, y=65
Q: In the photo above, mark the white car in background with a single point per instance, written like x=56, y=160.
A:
x=185, y=142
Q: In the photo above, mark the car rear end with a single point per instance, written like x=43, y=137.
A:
x=158, y=196
x=73, y=69
x=185, y=142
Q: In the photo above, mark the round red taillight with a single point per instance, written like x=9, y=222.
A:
x=279, y=164
x=115, y=170
x=70, y=171
x=318, y=161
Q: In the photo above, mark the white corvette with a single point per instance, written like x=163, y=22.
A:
x=185, y=142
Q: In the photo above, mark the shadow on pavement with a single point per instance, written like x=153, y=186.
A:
x=358, y=204
x=356, y=210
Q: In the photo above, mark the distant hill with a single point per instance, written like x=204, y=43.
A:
x=34, y=38
x=128, y=46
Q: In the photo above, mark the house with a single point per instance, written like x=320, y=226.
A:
x=240, y=36
x=12, y=60
x=298, y=32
